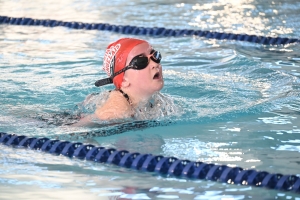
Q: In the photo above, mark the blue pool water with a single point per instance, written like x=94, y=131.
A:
x=237, y=102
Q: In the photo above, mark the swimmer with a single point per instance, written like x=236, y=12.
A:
x=134, y=68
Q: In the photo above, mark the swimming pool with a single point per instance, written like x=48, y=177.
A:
x=240, y=100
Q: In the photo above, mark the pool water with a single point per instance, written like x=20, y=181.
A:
x=237, y=102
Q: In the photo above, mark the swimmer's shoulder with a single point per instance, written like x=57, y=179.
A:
x=116, y=107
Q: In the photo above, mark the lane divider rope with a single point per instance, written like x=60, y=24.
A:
x=170, y=166
x=155, y=32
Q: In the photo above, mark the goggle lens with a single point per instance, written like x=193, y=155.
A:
x=141, y=62
x=155, y=56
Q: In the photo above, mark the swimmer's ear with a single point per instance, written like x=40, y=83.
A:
x=125, y=82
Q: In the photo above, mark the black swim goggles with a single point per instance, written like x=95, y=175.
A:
x=139, y=62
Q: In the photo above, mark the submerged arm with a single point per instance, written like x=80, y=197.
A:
x=89, y=120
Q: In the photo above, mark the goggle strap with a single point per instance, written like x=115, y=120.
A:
x=103, y=82
x=121, y=71
x=109, y=80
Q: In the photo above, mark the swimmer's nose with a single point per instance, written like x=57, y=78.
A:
x=155, y=65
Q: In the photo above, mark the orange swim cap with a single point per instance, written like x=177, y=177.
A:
x=116, y=56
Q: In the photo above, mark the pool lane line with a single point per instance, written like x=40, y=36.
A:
x=155, y=31
x=168, y=166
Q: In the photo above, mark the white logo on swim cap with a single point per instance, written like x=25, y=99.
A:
x=109, y=59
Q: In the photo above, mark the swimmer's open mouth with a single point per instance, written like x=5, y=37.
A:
x=156, y=76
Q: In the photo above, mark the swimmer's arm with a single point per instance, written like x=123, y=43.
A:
x=115, y=108
x=108, y=114
x=88, y=120
x=101, y=114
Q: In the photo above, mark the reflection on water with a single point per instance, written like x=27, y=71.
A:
x=258, y=17
x=247, y=16
x=200, y=151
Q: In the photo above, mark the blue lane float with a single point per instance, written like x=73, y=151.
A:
x=168, y=166
x=155, y=32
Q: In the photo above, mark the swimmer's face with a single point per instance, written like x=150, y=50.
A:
x=148, y=80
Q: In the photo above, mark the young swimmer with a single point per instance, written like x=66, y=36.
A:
x=133, y=66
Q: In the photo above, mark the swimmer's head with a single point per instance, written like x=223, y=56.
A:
x=124, y=54
x=115, y=59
